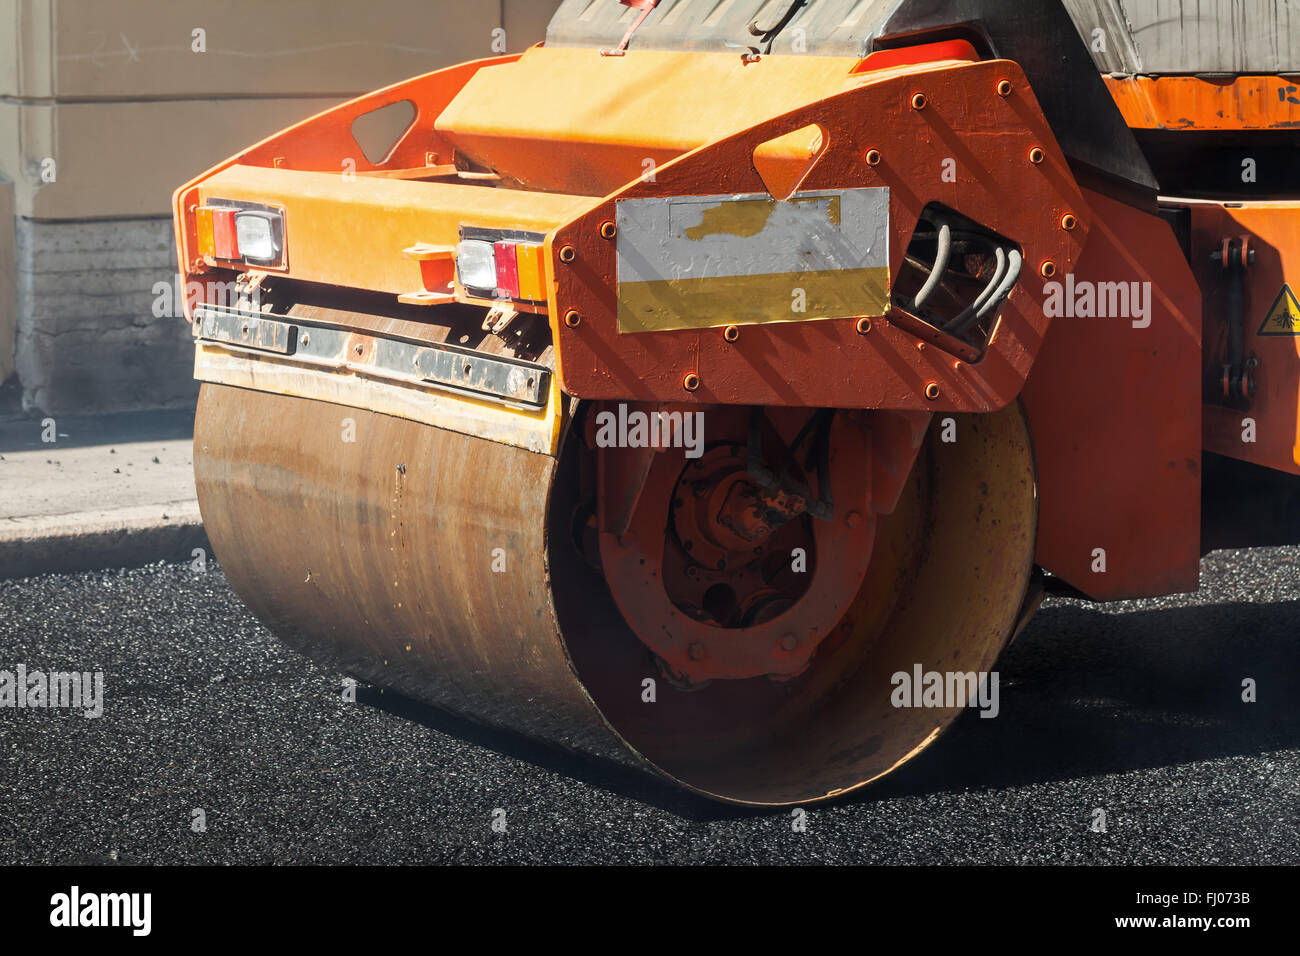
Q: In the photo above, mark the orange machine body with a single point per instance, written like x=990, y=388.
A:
x=1263, y=426
x=1245, y=233
x=553, y=141
x=1207, y=103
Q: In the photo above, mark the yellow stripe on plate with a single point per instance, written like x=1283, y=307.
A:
x=695, y=303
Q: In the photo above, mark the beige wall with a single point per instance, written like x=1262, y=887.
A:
x=139, y=49
x=116, y=95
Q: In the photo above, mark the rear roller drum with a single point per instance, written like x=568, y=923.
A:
x=731, y=619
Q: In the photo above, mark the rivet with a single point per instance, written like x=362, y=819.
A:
x=568, y=253
x=696, y=651
x=608, y=230
x=572, y=319
x=864, y=325
x=1036, y=155
x=873, y=157
x=731, y=333
x=691, y=382
x=932, y=390
x=788, y=642
x=918, y=101
x=1068, y=222
x=1004, y=87
x=1048, y=269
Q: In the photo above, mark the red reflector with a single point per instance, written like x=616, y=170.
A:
x=921, y=53
x=225, y=242
x=507, y=269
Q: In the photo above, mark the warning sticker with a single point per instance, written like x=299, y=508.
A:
x=1283, y=316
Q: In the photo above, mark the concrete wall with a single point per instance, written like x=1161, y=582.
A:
x=8, y=281
x=106, y=106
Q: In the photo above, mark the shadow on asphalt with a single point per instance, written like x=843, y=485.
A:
x=645, y=787
x=23, y=431
x=1088, y=692
x=1084, y=692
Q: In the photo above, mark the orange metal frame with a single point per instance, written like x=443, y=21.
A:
x=830, y=363
x=321, y=143
x=1114, y=411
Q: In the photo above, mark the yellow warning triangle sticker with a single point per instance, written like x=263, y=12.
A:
x=1283, y=315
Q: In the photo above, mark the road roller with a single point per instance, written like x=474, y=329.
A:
x=667, y=390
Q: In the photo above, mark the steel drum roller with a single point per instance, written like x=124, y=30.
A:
x=380, y=556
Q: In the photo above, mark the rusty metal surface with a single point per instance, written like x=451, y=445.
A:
x=458, y=370
x=377, y=556
x=352, y=337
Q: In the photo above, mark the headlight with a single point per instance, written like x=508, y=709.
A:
x=256, y=236
x=476, y=265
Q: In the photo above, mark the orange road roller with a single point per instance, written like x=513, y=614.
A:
x=668, y=390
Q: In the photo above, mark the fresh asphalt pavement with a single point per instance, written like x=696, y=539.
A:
x=1132, y=708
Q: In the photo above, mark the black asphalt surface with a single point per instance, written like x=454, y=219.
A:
x=1132, y=708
